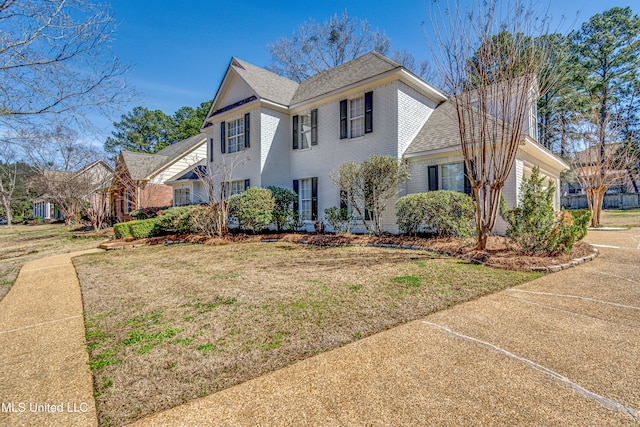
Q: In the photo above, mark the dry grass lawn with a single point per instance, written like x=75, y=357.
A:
x=167, y=324
x=620, y=218
x=22, y=243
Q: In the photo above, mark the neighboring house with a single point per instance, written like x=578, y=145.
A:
x=190, y=186
x=95, y=177
x=140, y=179
x=295, y=135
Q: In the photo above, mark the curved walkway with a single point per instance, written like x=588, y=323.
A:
x=44, y=374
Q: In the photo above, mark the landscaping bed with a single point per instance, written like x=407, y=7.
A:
x=171, y=323
x=500, y=252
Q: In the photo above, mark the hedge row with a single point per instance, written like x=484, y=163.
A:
x=138, y=229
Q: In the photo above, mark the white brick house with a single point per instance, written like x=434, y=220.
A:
x=293, y=135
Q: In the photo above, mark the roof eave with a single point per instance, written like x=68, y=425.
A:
x=166, y=165
x=539, y=149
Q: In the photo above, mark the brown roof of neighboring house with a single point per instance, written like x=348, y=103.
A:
x=143, y=165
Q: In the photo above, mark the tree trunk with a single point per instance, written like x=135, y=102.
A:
x=595, y=199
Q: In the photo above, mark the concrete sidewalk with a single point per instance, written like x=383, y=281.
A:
x=44, y=375
x=561, y=350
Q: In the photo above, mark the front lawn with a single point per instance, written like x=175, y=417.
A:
x=167, y=324
x=22, y=243
x=620, y=218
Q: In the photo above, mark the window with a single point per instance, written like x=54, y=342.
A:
x=307, y=203
x=235, y=187
x=305, y=130
x=235, y=135
x=181, y=196
x=453, y=177
x=356, y=116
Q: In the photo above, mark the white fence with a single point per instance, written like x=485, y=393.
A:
x=611, y=201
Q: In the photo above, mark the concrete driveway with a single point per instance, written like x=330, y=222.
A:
x=561, y=350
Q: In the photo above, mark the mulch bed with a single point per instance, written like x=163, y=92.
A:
x=500, y=252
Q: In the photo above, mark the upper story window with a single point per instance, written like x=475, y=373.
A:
x=305, y=130
x=234, y=135
x=356, y=116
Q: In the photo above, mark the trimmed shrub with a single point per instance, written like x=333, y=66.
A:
x=142, y=228
x=121, y=230
x=339, y=219
x=138, y=229
x=536, y=226
x=444, y=213
x=252, y=208
x=283, y=209
x=176, y=219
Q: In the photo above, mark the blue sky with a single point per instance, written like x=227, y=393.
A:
x=179, y=50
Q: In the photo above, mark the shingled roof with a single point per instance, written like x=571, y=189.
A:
x=143, y=165
x=441, y=130
x=266, y=84
x=370, y=65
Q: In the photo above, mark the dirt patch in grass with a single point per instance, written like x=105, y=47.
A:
x=167, y=324
x=21, y=243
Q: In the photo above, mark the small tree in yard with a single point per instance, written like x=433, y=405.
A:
x=253, y=208
x=370, y=185
x=283, y=210
x=495, y=68
x=536, y=226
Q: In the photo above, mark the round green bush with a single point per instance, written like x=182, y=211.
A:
x=444, y=213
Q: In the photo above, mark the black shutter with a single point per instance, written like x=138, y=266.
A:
x=467, y=183
x=224, y=190
x=344, y=201
x=247, y=121
x=295, y=132
x=247, y=184
x=368, y=112
x=296, y=205
x=343, y=119
x=314, y=199
x=433, y=178
x=211, y=149
x=314, y=127
x=223, y=139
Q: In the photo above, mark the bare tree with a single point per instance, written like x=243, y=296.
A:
x=422, y=69
x=370, y=185
x=598, y=168
x=55, y=60
x=490, y=63
x=315, y=47
x=214, y=217
x=8, y=178
x=97, y=210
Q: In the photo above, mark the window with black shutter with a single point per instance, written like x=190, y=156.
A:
x=368, y=112
x=223, y=138
x=296, y=186
x=344, y=199
x=314, y=199
x=433, y=178
x=467, y=182
x=343, y=119
x=314, y=127
x=247, y=184
x=295, y=132
x=211, y=149
x=247, y=123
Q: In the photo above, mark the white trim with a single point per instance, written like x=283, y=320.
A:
x=430, y=152
x=553, y=159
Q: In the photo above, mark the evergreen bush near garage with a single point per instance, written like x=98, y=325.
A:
x=253, y=208
x=121, y=230
x=142, y=228
x=536, y=226
x=444, y=213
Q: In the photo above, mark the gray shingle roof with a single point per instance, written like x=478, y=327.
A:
x=142, y=165
x=266, y=84
x=370, y=65
x=440, y=131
